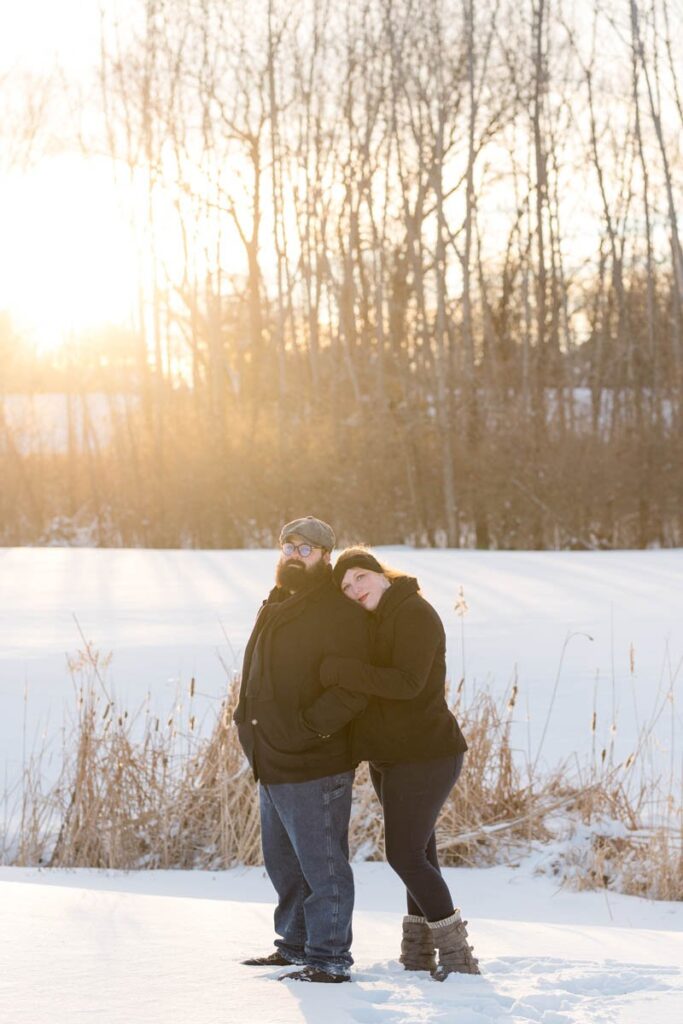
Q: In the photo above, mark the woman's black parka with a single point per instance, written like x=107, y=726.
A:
x=407, y=717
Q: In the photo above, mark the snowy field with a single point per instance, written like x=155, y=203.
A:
x=168, y=616
x=164, y=948
x=44, y=420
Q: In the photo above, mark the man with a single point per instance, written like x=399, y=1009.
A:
x=305, y=778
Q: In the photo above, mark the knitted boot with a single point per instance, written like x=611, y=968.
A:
x=417, y=945
x=455, y=953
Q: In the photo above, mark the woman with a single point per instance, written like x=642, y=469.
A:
x=412, y=741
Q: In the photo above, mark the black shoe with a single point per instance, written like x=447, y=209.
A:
x=314, y=974
x=272, y=960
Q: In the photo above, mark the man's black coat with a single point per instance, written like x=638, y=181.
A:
x=281, y=676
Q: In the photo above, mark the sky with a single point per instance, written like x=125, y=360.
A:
x=56, y=276
x=36, y=31
x=68, y=255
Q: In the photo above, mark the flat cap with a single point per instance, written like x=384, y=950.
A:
x=314, y=530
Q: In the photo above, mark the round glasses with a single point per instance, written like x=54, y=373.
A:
x=303, y=549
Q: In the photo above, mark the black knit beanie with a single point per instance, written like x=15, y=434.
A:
x=354, y=560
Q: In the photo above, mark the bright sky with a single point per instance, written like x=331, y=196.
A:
x=34, y=32
x=67, y=256
x=56, y=275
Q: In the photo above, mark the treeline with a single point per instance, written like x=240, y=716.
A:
x=414, y=266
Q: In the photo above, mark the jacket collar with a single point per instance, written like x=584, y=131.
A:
x=396, y=594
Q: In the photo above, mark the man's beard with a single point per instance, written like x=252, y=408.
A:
x=296, y=576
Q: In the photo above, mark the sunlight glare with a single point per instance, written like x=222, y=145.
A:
x=67, y=255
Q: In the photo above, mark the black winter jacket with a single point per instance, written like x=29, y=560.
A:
x=281, y=676
x=406, y=718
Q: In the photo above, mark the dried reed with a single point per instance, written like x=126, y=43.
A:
x=136, y=792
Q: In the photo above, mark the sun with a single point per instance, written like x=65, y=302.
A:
x=67, y=250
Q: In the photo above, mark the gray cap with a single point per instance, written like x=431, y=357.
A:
x=314, y=530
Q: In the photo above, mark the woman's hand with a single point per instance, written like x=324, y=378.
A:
x=307, y=732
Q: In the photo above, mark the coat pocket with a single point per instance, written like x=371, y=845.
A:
x=283, y=730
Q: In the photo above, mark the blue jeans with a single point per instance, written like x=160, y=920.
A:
x=304, y=834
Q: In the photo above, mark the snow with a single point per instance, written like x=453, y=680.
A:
x=166, y=946
x=162, y=947
x=605, y=625
x=42, y=422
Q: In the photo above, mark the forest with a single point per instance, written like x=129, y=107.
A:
x=414, y=268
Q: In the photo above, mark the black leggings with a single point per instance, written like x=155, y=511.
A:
x=411, y=796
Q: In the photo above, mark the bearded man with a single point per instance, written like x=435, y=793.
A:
x=305, y=778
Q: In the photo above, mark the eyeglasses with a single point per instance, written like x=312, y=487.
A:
x=303, y=549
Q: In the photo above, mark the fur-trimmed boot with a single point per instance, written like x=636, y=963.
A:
x=455, y=953
x=417, y=945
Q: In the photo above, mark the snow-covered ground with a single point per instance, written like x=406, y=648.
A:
x=45, y=422
x=170, y=615
x=165, y=948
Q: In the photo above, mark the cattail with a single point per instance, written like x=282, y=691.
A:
x=461, y=606
x=632, y=659
x=200, y=806
x=192, y=686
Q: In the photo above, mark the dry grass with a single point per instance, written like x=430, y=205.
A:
x=642, y=863
x=147, y=802
x=491, y=807
x=140, y=792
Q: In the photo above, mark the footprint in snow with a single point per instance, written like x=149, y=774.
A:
x=558, y=991
x=398, y=997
